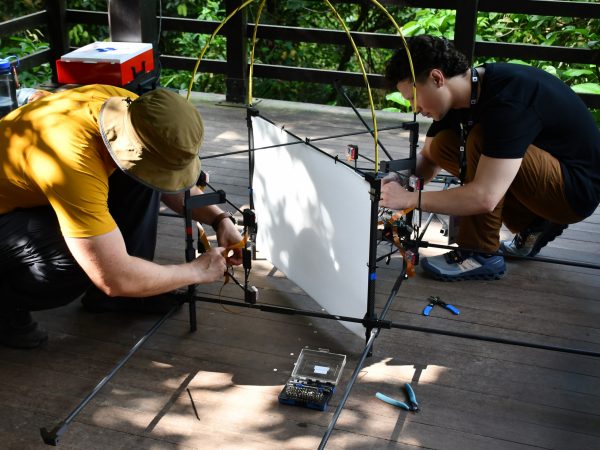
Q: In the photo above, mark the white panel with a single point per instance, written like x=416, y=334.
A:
x=313, y=221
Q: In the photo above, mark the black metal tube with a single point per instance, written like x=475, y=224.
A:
x=190, y=253
x=497, y=340
x=355, y=133
x=292, y=311
x=366, y=351
x=335, y=136
x=342, y=92
x=239, y=152
x=249, y=113
x=375, y=194
x=52, y=437
x=338, y=411
x=387, y=255
x=381, y=323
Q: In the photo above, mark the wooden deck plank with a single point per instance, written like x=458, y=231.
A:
x=217, y=388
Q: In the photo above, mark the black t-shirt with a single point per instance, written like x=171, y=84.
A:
x=521, y=105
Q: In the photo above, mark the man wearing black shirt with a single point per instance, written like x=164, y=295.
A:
x=531, y=156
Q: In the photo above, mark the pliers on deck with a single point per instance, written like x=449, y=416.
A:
x=412, y=399
x=434, y=300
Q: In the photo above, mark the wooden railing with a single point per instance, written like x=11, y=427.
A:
x=141, y=26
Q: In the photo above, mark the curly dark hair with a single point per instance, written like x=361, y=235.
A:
x=427, y=52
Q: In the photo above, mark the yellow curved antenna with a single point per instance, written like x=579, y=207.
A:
x=251, y=73
x=356, y=52
x=233, y=13
x=410, y=62
x=364, y=73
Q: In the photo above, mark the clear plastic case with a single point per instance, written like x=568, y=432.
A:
x=319, y=365
x=314, y=378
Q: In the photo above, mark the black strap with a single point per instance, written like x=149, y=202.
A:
x=465, y=127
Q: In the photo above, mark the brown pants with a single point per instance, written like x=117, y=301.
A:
x=537, y=191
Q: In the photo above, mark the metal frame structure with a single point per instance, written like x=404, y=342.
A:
x=372, y=321
x=144, y=30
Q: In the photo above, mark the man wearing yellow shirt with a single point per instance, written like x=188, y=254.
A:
x=82, y=173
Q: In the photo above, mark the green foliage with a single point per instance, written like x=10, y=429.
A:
x=80, y=35
x=520, y=28
x=191, y=45
x=17, y=8
x=550, y=31
x=587, y=88
x=26, y=43
x=396, y=97
x=31, y=41
x=438, y=22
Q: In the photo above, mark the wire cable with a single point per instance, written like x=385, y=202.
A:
x=410, y=61
x=254, y=32
x=366, y=79
x=233, y=13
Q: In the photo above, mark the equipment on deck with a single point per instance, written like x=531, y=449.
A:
x=412, y=399
x=313, y=380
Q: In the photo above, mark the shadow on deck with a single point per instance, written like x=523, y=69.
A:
x=218, y=387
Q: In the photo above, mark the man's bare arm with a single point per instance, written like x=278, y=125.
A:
x=492, y=179
x=105, y=260
x=426, y=168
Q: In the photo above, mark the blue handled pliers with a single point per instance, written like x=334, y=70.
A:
x=436, y=301
x=412, y=399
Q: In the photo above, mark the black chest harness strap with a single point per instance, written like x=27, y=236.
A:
x=465, y=126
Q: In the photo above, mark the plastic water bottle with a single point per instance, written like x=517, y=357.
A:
x=8, y=87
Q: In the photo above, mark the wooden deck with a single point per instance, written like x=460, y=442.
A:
x=217, y=388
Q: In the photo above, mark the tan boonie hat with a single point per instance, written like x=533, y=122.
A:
x=155, y=138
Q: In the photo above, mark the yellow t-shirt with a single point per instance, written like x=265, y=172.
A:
x=51, y=152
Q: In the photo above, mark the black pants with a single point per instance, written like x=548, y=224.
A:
x=37, y=270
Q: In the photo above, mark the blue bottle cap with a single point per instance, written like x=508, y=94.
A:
x=6, y=64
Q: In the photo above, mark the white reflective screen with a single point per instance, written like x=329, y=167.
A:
x=313, y=221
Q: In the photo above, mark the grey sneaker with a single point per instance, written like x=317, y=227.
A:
x=531, y=240
x=458, y=265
